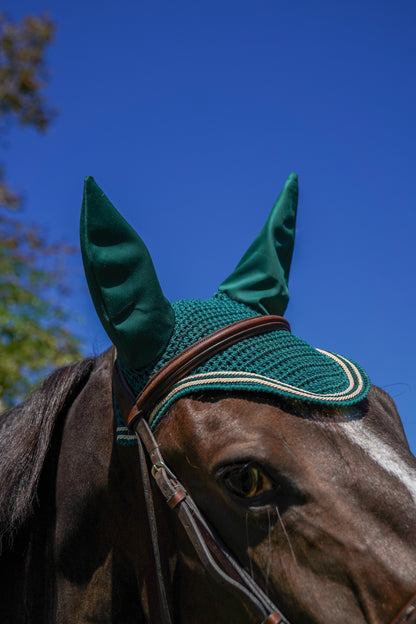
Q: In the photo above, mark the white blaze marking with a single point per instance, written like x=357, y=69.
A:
x=380, y=452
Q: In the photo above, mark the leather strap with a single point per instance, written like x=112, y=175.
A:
x=180, y=366
x=151, y=517
x=214, y=556
x=218, y=562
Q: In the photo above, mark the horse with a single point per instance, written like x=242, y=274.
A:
x=290, y=484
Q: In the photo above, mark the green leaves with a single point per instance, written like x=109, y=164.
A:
x=33, y=337
x=23, y=76
x=23, y=73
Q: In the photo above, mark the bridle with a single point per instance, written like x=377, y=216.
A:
x=216, y=559
x=219, y=563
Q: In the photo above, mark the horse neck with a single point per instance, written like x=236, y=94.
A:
x=102, y=547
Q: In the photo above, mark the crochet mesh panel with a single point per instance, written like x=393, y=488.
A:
x=277, y=355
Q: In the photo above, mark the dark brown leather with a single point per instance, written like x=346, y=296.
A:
x=217, y=561
x=164, y=608
x=176, y=499
x=180, y=366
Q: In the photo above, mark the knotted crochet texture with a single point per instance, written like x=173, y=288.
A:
x=278, y=355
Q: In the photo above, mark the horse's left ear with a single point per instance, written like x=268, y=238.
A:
x=261, y=277
x=122, y=281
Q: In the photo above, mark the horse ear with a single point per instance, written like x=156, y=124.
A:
x=261, y=277
x=123, y=282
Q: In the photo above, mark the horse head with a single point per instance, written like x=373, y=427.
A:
x=299, y=467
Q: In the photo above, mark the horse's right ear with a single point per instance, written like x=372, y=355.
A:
x=122, y=281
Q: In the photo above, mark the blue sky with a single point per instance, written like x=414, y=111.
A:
x=190, y=115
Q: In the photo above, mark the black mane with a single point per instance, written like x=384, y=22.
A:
x=25, y=437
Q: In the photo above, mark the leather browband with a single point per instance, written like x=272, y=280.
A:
x=180, y=366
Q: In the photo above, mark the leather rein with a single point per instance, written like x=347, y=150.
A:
x=216, y=559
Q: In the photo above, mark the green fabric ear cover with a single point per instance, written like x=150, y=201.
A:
x=123, y=282
x=261, y=277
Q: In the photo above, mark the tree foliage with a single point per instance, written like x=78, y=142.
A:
x=32, y=318
x=32, y=281
x=23, y=76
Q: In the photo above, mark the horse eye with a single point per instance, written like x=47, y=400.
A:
x=247, y=481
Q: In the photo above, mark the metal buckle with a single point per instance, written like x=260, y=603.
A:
x=159, y=466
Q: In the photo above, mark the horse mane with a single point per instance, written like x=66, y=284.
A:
x=25, y=438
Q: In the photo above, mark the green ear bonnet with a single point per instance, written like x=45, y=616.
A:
x=148, y=331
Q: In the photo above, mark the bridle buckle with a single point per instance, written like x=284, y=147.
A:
x=160, y=465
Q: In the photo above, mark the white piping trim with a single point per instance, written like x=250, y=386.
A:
x=243, y=377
